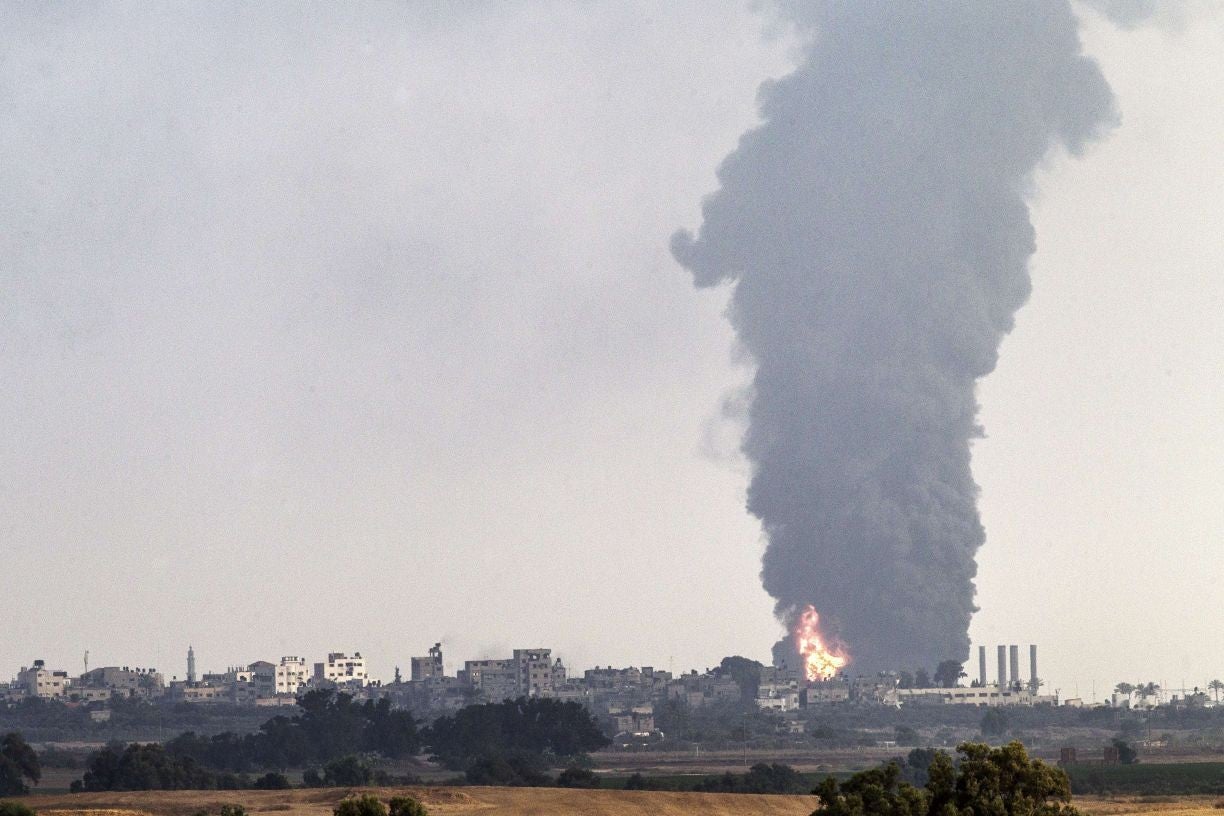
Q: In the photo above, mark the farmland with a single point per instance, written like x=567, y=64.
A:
x=487, y=801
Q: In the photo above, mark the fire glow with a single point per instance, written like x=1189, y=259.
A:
x=821, y=662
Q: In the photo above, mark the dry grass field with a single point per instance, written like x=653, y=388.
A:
x=526, y=802
x=439, y=801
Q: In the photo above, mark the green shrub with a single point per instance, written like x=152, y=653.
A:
x=578, y=778
x=15, y=809
x=365, y=805
x=406, y=806
x=636, y=782
x=346, y=772
x=272, y=781
x=233, y=810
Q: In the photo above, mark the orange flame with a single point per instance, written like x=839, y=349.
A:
x=820, y=661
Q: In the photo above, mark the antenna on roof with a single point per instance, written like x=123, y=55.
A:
x=87, y=661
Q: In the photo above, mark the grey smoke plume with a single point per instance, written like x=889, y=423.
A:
x=875, y=234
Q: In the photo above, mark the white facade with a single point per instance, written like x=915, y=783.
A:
x=342, y=669
x=291, y=675
x=990, y=695
x=780, y=699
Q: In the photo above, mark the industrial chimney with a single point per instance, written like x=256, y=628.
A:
x=1002, y=666
x=1033, y=667
x=981, y=665
x=1015, y=664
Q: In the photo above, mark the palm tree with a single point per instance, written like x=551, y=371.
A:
x=1124, y=689
x=1216, y=686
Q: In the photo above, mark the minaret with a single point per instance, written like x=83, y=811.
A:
x=191, y=674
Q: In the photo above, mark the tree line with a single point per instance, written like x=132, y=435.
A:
x=512, y=742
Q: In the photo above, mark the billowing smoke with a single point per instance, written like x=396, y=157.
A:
x=875, y=234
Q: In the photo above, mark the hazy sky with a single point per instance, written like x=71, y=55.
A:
x=356, y=329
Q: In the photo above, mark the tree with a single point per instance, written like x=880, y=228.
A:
x=141, y=767
x=948, y=673
x=989, y=777
x=874, y=792
x=916, y=765
x=365, y=805
x=346, y=772
x=1127, y=755
x=746, y=674
x=637, y=782
x=406, y=806
x=513, y=770
x=513, y=727
x=1147, y=690
x=1216, y=686
x=1125, y=689
x=994, y=722
x=272, y=781
x=905, y=680
x=573, y=777
x=18, y=763
x=922, y=679
x=988, y=781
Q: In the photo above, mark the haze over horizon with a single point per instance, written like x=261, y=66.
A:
x=357, y=329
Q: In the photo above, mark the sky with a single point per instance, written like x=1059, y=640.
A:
x=335, y=329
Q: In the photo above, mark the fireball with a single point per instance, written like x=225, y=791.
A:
x=820, y=662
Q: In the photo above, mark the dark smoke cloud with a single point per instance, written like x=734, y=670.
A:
x=875, y=234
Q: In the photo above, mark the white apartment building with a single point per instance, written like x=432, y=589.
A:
x=291, y=675
x=342, y=669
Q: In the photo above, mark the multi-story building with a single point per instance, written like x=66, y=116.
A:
x=342, y=669
x=495, y=680
x=538, y=675
x=256, y=682
x=429, y=666
x=529, y=673
x=290, y=675
x=39, y=681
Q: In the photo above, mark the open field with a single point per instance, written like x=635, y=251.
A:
x=439, y=801
x=526, y=802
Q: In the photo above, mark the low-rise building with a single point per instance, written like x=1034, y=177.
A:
x=109, y=681
x=181, y=691
x=988, y=695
